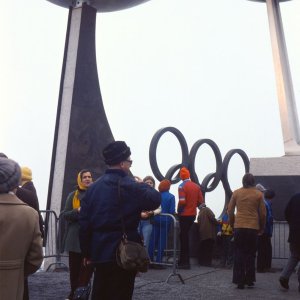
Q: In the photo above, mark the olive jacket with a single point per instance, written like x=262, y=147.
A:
x=71, y=238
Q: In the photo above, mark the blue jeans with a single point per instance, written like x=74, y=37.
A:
x=292, y=263
x=145, y=229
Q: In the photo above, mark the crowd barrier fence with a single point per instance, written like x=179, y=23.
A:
x=280, y=246
x=53, y=239
x=168, y=252
x=164, y=246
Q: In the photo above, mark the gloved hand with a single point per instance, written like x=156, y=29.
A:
x=219, y=233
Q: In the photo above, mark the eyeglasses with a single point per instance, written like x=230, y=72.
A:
x=129, y=161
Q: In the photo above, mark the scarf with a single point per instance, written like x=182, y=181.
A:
x=80, y=187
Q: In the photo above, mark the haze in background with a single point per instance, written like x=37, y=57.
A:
x=204, y=67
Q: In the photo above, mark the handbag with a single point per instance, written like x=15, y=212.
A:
x=131, y=256
x=82, y=293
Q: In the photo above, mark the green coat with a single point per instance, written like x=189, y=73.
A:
x=71, y=238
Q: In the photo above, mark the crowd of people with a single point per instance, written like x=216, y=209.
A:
x=93, y=227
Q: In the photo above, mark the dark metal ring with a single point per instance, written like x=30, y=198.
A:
x=215, y=176
x=211, y=180
x=153, y=149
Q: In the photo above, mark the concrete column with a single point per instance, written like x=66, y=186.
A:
x=284, y=84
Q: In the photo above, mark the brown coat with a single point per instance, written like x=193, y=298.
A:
x=250, y=209
x=207, y=224
x=20, y=245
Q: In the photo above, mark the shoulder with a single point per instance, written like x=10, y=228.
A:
x=71, y=195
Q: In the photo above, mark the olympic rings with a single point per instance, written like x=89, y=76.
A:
x=211, y=180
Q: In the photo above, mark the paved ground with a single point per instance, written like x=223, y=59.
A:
x=200, y=283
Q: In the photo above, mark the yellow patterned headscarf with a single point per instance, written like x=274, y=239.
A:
x=76, y=200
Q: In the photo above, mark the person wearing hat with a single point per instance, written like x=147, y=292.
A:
x=100, y=221
x=207, y=225
x=20, y=240
x=162, y=223
x=27, y=193
x=190, y=197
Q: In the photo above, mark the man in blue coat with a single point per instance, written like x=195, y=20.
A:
x=100, y=222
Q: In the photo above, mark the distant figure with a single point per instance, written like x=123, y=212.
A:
x=100, y=221
x=162, y=224
x=190, y=197
x=225, y=231
x=264, y=244
x=80, y=274
x=292, y=215
x=146, y=225
x=20, y=239
x=207, y=225
x=248, y=222
x=27, y=193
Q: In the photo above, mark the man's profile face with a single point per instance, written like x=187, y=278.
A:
x=126, y=164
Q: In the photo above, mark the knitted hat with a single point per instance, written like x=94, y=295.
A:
x=26, y=174
x=184, y=173
x=116, y=152
x=3, y=155
x=164, y=185
x=10, y=175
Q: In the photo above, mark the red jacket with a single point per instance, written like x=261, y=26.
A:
x=190, y=197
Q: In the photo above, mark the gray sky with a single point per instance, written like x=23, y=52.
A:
x=204, y=67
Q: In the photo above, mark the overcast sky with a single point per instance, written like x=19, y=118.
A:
x=204, y=67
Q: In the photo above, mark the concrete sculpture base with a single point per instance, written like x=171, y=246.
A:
x=282, y=174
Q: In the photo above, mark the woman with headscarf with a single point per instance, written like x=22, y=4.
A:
x=79, y=274
x=21, y=252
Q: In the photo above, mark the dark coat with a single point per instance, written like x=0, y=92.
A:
x=99, y=218
x=292, y=215
x=71, y=238
x=27, y=193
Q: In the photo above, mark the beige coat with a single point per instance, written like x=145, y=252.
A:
x=20, y=245
x=250, y=209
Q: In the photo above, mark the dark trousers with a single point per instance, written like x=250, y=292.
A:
x=227, y=250
x=206, y=252
x=79, y=274
x=112, y=282
x=185, y=223
x=245, y=243
x=264, y=252
x=26, y=290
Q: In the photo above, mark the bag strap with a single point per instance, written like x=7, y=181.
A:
x=120, y=202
